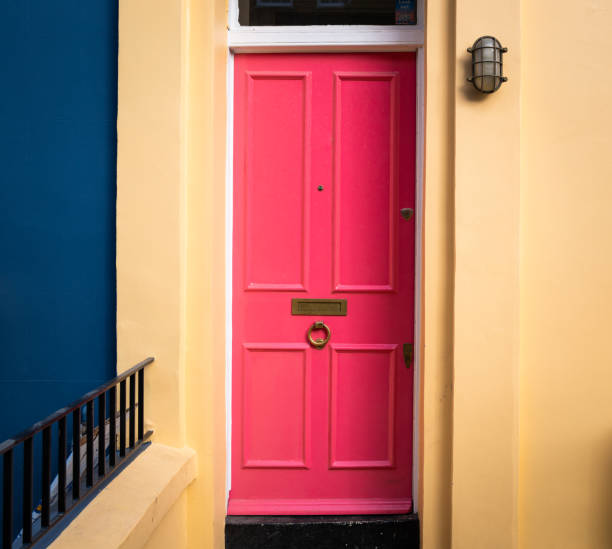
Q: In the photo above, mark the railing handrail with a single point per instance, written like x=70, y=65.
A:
x=13, y=441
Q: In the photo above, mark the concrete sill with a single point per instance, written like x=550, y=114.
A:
x=127, y=511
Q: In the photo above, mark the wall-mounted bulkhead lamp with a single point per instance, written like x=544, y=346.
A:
x=487, y=64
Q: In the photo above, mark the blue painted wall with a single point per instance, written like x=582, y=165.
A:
x=58, y=106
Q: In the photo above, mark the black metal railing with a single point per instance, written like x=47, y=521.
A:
x=76, y=480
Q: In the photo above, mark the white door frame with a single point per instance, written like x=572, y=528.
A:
x=345, y=38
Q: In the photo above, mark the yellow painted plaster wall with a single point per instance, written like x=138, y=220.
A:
x=172, y=531
x=170, y=239
x=566, y=276
x=205, y=290
x=486, y=305
x=470, y=425
x=150, y=196
x=436, y=425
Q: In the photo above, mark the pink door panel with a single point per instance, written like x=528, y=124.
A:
x=324, y=159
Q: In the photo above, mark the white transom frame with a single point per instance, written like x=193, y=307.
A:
x=329, y=38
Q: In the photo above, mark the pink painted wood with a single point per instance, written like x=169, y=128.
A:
x=323, y=431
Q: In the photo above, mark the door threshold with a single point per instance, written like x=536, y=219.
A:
x=322, y=532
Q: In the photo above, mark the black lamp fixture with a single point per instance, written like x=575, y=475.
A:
x=487, y=65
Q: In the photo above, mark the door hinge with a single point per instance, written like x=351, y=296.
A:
x=408, y=354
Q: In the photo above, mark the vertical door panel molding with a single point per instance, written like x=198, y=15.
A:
x=278, y=107
x=365, y=257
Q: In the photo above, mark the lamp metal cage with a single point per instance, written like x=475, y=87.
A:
x=487, y=64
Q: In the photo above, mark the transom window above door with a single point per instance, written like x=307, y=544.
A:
x=327, y=12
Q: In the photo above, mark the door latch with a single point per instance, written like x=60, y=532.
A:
x=408, y=354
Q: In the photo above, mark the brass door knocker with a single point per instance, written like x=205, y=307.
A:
x=319, y=342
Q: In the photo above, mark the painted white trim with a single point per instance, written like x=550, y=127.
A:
x=232, y=14
x=307, y=39
x=229, y=258
x=418, y=265
x=325, y=38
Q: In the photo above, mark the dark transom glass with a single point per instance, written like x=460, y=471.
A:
x=326, y=12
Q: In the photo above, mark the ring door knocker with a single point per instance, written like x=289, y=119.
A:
x=319, y=342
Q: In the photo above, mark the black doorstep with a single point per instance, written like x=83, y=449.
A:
x=322, y=532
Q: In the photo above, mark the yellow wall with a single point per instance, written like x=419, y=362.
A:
x=486, y=304
x=515, y=408
x=566, y=275
x=435, y=450
x=150, y=237
x=172, y=531
x=170, y=244
x=470, y=371
x=205, y=291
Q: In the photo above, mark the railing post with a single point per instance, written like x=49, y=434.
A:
x=141, y=404
x=61, y=465
x=76, y=454
x=28, y=480
x=101, y=433
x=132, y=410
x=46, y=477
x=112, y=437
x=7, y=501
x=90, y=445
x=122, y=419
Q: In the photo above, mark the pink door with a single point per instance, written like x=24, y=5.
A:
x=324, y=160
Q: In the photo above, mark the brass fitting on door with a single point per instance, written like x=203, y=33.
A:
x=319, y=342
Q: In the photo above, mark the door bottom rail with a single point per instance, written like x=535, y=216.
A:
x=320, y=506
